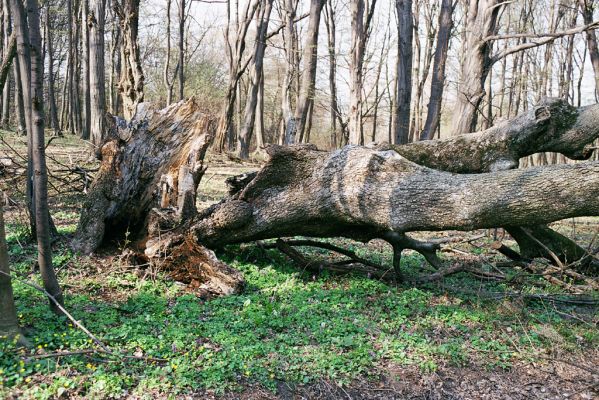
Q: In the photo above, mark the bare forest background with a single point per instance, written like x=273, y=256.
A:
x=326, y=72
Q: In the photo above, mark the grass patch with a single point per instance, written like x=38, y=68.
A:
x=287, y=326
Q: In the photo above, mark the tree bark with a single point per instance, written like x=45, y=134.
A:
x=586, y=6
x=291, y=69
x=9, y=325
x=433, y=115
x=51, y=95
x=308, y=81
x=95, y=21
x=329, y=17
x=29, y=50
x=131, y=84
x=481, y=23
x=5, y=119
x=404, y=71
x=245, y=135
x=85, y=69
x=181, y=64
x=236, y=68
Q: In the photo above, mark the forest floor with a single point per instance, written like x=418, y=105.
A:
x=290, y=334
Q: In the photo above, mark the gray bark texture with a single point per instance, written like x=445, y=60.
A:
x=362, y=193
x=95, y=22
x=8, y=314
x=404, y=71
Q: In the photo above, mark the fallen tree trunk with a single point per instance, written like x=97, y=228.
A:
x=363, y=193
x=147, y=183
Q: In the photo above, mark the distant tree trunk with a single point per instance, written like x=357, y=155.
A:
x=481, y=22
x=86, y=70
x=306, y=95
x=355, y=72
x=586, y=7
x=260, y=140
x=404, y=70
x=168, y=82
x=235, y=57
x=291, y=56
x=245, y=135
x=8, y=314
x=19, y=106
x=131, y=84
x=51, y=95
x=433, y=115
x=360, y=31
x=96, y=18
x=29, y=50
x=115, y=66
x=329, y=18
x=181, y=64
x=5, y=118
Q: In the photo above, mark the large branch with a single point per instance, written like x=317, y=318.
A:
x=551, y=126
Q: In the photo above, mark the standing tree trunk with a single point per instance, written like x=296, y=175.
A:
x=291, y=56
x=131, y=84
x=329, y=17
x=306, y=95
x=181, y=64
x=85, y=69
x=168, y=82
x=9, y=325
x=29, y=50
x=404, y=70
x=5, y=118
x=481, y=23
x=245, y=135
x=95, y=22
x=433, y=115
x=586, y=7
x=51, y=95
x=115, y=64
x=360, y=31
x=235, y=57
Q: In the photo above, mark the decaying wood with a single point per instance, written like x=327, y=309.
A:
x=155, y=163
x=151, y=168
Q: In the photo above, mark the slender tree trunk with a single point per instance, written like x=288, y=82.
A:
x=404, y=70
x=8, y=314
x=586, y=7
x=245, y=135
x=355, y=72
x=306, y=94
x=329, y=16
x=5, y=119
x=168, y=82
x=51, y=95
x=29, y=50
x=131, y=83
x=181, y=64
x=96, y=18
x=360, y=31
x=433, y=115
x=19, y=106
x=235, y=57
x=481, y=22
x=86, y=22
x=260, y=140
x=290, y=42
